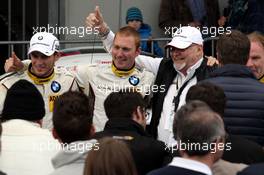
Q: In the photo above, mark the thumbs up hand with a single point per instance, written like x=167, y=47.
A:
x=95, y=19
x=13, y=63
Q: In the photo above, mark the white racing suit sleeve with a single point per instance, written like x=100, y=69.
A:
x=142, y=61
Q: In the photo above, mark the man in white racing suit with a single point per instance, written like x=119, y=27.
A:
x=50, y=81
x=102, y=79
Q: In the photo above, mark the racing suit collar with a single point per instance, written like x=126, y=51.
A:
x=39, y=80
x=121, y=73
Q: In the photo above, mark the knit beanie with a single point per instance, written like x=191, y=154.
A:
x=134, y=13
x=23, y=101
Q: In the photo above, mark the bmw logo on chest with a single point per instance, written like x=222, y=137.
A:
x=133, y=80
x=55, y=86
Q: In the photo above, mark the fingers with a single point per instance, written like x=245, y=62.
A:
x=211, y=60
x=98, y=14
x=9, y=65
x=94, y=19
x=91, y=20
x=13, y=63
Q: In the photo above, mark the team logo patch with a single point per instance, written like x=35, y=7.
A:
x=133, y=80
x=55, y=86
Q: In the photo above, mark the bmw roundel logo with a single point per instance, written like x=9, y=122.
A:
x=133, y=80
x=55, y=86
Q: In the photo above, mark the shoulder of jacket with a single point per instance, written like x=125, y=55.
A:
x=61, y=71
x=11, y=76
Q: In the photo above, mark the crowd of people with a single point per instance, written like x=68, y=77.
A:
x=207, y=114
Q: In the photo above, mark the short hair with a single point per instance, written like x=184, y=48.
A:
x=233, y=48
x=213, y=95
x=129, y=31
x=73, y=116
x=123, y=103
x=196, y=124
x=113, y=157
x=256, y=37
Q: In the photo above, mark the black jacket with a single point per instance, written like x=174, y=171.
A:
x=244, y=112
x=148, y=153
x=174, y=170
x=243, y=151
x=165, y=77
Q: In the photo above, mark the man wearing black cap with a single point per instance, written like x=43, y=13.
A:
x=27, y=149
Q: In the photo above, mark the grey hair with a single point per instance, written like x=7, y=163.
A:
x=196, y=123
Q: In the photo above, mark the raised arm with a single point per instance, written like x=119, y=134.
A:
x=95, y=19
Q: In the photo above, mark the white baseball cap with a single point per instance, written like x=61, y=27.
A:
x=45, y=43
x=185, y=36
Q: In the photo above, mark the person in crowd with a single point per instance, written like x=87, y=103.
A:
x=191, y=12
x=73, y=128
x=174, y=75
x=196, y=127
x=241, y=150
x=244, y=15
x=256, y=55
x=126, y=111
x=244, y=110
x=50, y=81
x=27, y=149
x=134, y=18
x=99, y=80
x=203, y=14
x=112, y=157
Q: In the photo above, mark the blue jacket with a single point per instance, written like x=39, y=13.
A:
x=145, y=33
x=244, y=112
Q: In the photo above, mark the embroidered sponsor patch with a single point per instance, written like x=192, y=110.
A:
x=55, y=86
x=133, y=80
x=52, y=98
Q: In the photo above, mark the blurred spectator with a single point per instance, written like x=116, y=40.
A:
x=72, y=120
x=27, y=149
x=134, y=19
x=195, y=125
x=196, y=13
x=244, y=113
x=126, y=111
x=256, y=55
x=113, y=157
x=242, y=150
x=244, y=15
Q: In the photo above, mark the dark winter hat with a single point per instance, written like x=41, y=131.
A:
x=134, y=13
x=23, y=101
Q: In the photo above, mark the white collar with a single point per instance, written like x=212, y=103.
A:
x=191, y=165
x=190, y=71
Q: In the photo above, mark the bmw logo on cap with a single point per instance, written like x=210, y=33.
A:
x=55, y=86
x=133, y=80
